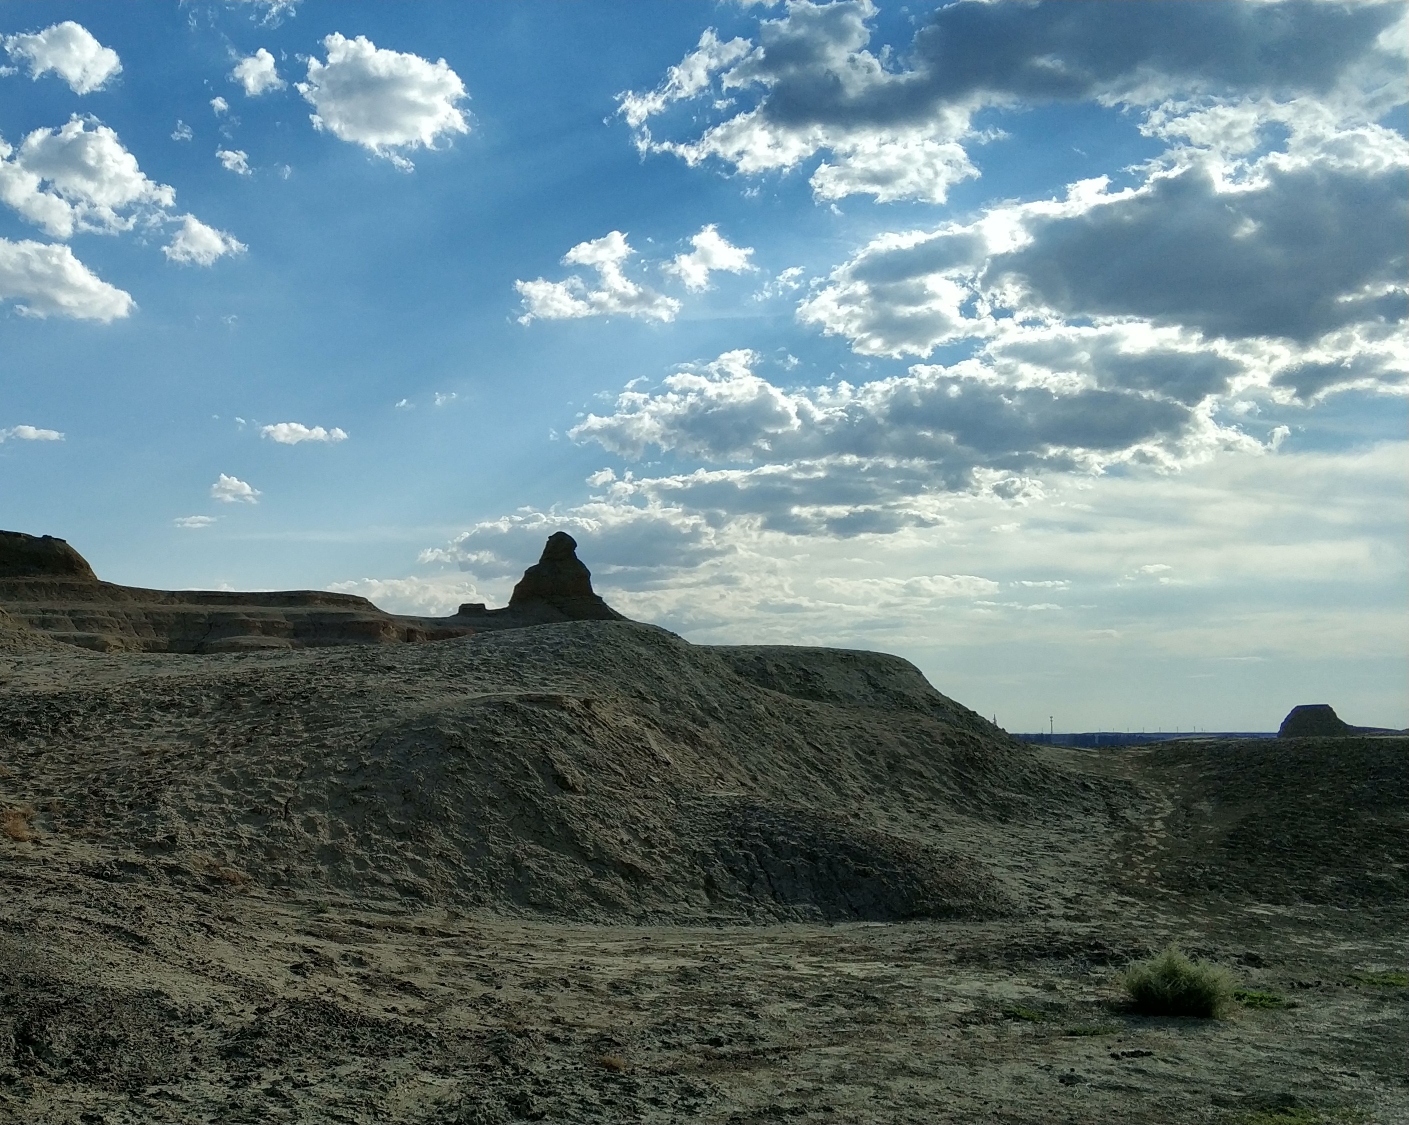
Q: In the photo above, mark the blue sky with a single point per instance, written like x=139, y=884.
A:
x=1058, y=348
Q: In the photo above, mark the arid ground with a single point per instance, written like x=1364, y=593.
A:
x=588, y=872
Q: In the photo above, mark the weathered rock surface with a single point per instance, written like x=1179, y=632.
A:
x=47, y=588
x=560, y=580
x=40, y=556
x=1313, y=720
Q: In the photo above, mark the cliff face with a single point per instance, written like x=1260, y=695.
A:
x=560, y=581
x=41, y=556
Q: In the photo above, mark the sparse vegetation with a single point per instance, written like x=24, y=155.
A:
x=614, y=1063
x=1018, y=1012
x=15, y=823
x=1172, y=985
x=1267, y=1001
x=1390, y=979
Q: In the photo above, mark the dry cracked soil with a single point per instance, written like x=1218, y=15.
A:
x=587, y=872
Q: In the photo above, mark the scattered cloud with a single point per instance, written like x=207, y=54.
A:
x=45, y=279
x=435, y=595
x=809, y=84
x=387, y=101
x=269, y=13
x=182, y=132
x=194, y=522
x=443, y=398
x=291, y=433
x=219, y=105
x=70, y=51
x=233, y=160
x=197, y=244
x=30, y=433
x=712, y=253
x=232, y=490
x=78, y=177
x=614, y=293
x=257, y=74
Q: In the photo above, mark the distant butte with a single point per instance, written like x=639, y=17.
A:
x=48, y=588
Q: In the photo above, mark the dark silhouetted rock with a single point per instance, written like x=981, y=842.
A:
x=559, y=579
x=40, y=556
x=1313, y=720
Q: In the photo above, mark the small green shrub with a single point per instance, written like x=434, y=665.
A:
x=1390, y=979
x=1172, y=985
x=1018, y=1012
x=1253, y=998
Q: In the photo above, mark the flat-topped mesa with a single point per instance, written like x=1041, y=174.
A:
x=41, y=556
x=560, y=580
x=1314, y=720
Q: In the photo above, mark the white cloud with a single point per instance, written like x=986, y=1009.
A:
x=436, y=595
x=48, y=280
x=386, y=101
x=291, y=433
x=257, y=74
x=712, y=253
x=615, y=292
x=269, y=13
x=233, y=160
x=30, y=433
x=70, y=51
x=219, y=105
x=198, y=244
x=193, y=522
x=232, y=490
x=78, y=177
x=810, y=83
x=182, y=132
x=444, y=398
x=886, y=454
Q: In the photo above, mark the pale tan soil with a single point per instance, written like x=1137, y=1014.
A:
x=586, y=872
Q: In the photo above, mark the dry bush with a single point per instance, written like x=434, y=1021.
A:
x=15, y=823
x=1172, y=985
x=615, y=1063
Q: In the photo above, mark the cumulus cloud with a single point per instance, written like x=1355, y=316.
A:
x=78, y=177
x=810, y=83
x=232, y=490
x=197, y=244
x=614, y=292
x=70, y=51
x=233, y=160
x=47, y=280
x=291, y=433
x=386, y=101
x=193, y=522
x=885, y=454
x=712, y=253
x=30, y=433
x=257, y=74
x=182, y=132
x=219, y=105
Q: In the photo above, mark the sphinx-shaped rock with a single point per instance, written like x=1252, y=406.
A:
x=560, y=580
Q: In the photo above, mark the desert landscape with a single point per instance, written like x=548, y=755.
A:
x=561, y=866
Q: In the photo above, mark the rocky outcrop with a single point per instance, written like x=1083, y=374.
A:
x=561, y=581
x=40, y=556
x=49, y=593
x=1313, y=720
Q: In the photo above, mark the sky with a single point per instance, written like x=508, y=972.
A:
x=1057, y=347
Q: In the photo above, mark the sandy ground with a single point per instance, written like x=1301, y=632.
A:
x=199, y=923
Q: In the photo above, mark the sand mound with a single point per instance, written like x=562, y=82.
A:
x=588, y=769
x=1306, y=820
